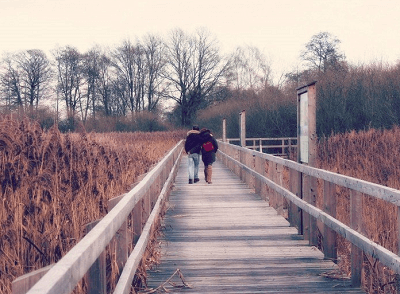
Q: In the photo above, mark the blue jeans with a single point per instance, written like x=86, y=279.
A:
x=193, y=166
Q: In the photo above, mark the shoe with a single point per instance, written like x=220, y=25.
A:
x=196, y=180
x=209, y=174
x=190, y=181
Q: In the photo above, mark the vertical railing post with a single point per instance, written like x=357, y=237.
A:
x=329, y=206
x=398, y=245
x=23, y=284
x=259, y=169
x=356, y=224
x=224, y=130
x=295, y=213
x=120, y=243
x=271, y=176
x=279, y=181
x=242, y=125
x=96, y=275
x=137, y=221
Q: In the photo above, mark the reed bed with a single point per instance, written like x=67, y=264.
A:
x=53, y=184
x=374, y=156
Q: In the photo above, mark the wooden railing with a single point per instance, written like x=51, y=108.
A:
x=143, y=204
x=276, y=146
x=266, y=173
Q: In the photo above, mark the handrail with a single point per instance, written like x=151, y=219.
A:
x=387, y=257
x=264, y=139
x=378, y=191
x=285, y=145
x=127, y=275
x=64, y=275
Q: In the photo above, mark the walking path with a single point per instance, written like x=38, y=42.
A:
x=224, y=239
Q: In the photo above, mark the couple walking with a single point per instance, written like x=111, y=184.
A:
x=200, y=142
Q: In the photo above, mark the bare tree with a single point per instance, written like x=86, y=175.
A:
x=195, y=68
x=249, y=69
x=119, y=96
x=91, y=73
x=322, y=52
x=69, y=77
x=10, y=83
x=154, y=51
x=35, y=74
x=125, y=66
x=105, y=84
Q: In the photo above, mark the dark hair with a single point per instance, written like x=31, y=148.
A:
x=196, y=128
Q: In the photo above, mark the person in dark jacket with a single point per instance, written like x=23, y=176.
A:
x=208, y=150
x=192, y=148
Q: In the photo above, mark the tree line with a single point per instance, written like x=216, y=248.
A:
x=186, y=80
x=349, y=97
x=185, y=68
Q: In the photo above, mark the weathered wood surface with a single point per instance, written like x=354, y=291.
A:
x=225, y=239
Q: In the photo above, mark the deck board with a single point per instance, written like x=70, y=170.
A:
x=225, y=239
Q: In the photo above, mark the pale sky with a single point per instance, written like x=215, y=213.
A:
x=369, y=30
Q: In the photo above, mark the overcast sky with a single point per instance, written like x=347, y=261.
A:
x=368, y=29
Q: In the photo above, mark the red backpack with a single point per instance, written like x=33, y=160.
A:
x=208, y=146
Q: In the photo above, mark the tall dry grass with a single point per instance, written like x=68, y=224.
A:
x=54, y=184
x=374, y=156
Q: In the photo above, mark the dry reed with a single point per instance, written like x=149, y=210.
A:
x=374, y=156
x=54, y=184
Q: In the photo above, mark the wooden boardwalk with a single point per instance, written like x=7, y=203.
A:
x=225, y=239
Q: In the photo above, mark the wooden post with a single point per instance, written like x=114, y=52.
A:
x=137, y=221
x=242, y=125
x=146, y=208
x=23, y=284
x=356, y=224
x=271, y=176
x=306, y=197
x=120, y=243
x=96, y=275
x=398, y=244
x=295, y=213
x=329, y=239
x=224, y=130
x=259, y=168
x=279, y=181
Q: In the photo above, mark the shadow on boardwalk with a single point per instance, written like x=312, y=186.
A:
x=225, y=239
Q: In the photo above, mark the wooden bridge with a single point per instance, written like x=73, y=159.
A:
x=239, y=235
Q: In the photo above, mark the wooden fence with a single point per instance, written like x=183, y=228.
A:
x=142, y=205
x=276, y=146
x=266, y=172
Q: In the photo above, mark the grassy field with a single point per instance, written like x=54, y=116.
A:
x=53, y=184
x=374, y=156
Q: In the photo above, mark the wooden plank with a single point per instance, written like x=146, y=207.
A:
x=225, y=239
